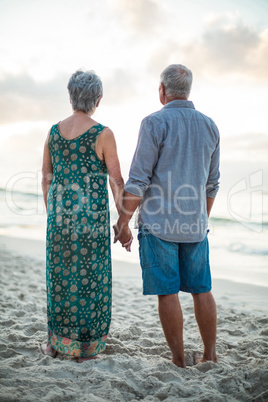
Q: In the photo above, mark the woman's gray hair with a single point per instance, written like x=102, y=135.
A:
x=85, y=89
x=177, y=80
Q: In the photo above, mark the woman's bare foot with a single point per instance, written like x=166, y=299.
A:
x=48, y=350
x=84, y=359
x=199, y=358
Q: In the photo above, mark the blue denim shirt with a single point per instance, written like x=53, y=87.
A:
x=174, y=168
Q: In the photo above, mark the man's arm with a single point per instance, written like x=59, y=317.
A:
x=140, y=175
x=210, y=202
x=212, y=186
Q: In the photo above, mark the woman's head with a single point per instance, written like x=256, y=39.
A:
x=85, y=90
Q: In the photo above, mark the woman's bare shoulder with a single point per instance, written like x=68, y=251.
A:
x=107, y=133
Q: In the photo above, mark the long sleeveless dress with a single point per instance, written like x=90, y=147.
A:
x=78, y=246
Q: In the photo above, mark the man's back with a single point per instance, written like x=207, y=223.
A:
x=173, y=180
x=175, y=167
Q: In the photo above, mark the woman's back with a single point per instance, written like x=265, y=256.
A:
x=75, y=125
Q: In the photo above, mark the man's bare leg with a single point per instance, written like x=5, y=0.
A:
x=171, y=318
x=206, y=317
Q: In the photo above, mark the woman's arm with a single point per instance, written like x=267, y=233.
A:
x=47, y=171
x=106, y=151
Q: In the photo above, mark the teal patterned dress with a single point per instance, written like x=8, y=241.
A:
x=78, y=246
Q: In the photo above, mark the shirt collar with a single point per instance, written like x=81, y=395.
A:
x=179, y=103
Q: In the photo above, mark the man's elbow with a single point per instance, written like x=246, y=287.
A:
x=212, y=190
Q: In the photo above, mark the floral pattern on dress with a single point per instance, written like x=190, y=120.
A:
x=78, y=272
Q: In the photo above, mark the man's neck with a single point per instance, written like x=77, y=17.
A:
x=168, y=100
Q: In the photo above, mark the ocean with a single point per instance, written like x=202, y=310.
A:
x=238, y=234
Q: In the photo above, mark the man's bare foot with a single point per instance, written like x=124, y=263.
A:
x=48, y=350
x=199, y=358
x=84, y=359
x=179, y=363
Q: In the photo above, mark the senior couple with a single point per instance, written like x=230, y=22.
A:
x=173, y=181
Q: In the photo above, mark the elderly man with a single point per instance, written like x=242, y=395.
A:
x=173, y=179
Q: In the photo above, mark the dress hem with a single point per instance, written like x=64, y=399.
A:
x=76, y=348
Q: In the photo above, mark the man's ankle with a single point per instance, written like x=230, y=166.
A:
x=210, y=356
x=179, y=362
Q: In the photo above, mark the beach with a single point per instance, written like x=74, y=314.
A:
x=223, y=48
x=136, y=363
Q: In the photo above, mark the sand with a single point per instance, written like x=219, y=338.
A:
x=136, y=364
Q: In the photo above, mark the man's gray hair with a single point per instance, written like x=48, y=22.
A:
x=85, y=89
x=177, y=80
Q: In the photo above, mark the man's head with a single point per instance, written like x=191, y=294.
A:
x=175, y=83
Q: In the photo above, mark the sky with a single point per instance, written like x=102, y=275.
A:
x=128, y=43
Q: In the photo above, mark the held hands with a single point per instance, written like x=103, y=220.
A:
x=123, y=234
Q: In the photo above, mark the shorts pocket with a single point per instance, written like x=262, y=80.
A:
x=148, y=257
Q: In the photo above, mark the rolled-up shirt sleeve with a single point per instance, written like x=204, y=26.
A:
x=212, y=186
x=144, y=160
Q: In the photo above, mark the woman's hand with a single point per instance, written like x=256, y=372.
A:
x=128, y=244
x=123, y=235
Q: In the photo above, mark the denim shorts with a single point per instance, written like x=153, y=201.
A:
x=169, y=267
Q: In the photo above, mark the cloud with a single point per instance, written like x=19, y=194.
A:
x=167, y=53
x=226, y=47
x=22, y=98
x=248, y=147
x=119, y=86
x=140, y=16
x=22, y=152
x=243, y=156
x=260, y=56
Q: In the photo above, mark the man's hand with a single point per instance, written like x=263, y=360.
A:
x=123, y=234
x=121, y=229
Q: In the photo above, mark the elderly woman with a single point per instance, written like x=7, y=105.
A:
x=78, y=154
